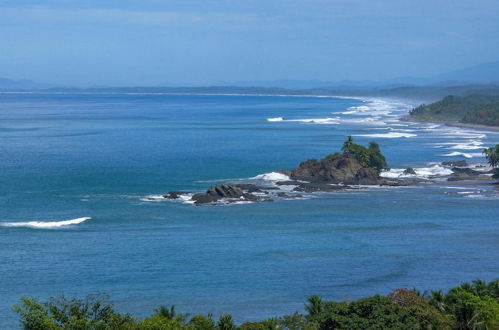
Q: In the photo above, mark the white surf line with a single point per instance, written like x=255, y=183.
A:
x=45, y=224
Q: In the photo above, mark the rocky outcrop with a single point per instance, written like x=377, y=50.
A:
x=309, y=187
x=458, y=163
x=251, y=188
x=357, y=165
x=288, y=196
x=338, y=168
x=229, y=193
x=464, y=174
x=409, y=171
x=174, y=194
x=333, y=173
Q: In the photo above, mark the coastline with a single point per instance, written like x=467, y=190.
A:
x=432, y=173
x=451, y=123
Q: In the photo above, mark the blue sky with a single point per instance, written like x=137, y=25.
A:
x=154, y=42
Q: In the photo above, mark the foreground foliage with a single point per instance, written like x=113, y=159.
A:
x=469, y=306
x=472, y=109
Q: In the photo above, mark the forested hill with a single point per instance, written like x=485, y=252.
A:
x=471, y=109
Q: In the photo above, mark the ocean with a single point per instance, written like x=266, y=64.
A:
x=79, y=172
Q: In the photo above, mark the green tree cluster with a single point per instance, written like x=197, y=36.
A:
x=472, y=109
x=368, y=157
x=472, y=305
x=492, y=155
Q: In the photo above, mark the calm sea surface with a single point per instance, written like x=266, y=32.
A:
x=70, y=156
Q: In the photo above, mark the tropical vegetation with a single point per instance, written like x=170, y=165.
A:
x=492, y=155
x=472, y=305
x=471, y=109
x=368, y=157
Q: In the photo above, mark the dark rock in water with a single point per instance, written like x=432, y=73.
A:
x=202, y=198
x=401, y=183
x=458, y=163
x=250, y=197
x=338, y=168
x=174, y=194
x=266, y=188
x=463, y=174
x=409, y=170
x=284, y=195
x=313, y=187
x=287, y=183
x=251, y=188
x=225, y=191
x=465, y=171
x=229, y=192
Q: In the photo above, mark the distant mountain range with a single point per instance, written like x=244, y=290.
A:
x=481, y=73
x=485, y=73
x=24, y=84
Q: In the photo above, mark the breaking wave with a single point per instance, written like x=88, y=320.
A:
x=456, y=153
x=373, y=112
x=422, y=172
x=46, y=224
x=464, y=146
x=272, y=176
x=329, y=121
x=391, y=135
x=465, y=155
x=183, y=198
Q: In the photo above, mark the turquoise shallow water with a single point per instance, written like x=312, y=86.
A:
x=67, y=156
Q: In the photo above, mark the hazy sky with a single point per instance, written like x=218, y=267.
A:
x=151, y=42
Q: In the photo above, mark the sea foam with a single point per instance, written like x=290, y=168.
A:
x=422, y=172
x=327, y=121
x=272, y=176
x=334, y=121
x=45, y=224
x=456, y=153
x=390, y=135
x=183, y=198
x=470, y=145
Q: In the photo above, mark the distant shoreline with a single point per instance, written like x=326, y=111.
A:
x=353, y=97
x=406, y=91
x=363, y=98
x=450, y=123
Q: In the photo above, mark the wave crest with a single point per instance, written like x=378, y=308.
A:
x=391, y=135
x=272, y=176
x=46, y=224
x=422, y=172
x=463, y=154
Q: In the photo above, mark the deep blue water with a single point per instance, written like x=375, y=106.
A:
x=66, y=156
